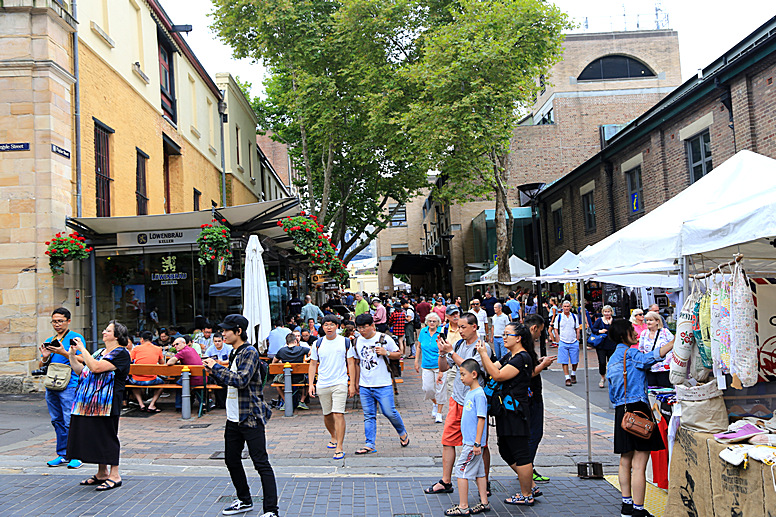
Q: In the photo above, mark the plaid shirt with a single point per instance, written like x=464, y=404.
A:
x=247, y=380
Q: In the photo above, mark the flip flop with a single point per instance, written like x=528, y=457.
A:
x=332, y=445
x=404, y=443
x=339, y=456
x=108, y=484
x=94, y=480
x=366, y=450
x=154, y=410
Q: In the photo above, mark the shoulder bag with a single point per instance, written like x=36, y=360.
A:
x=636, y=423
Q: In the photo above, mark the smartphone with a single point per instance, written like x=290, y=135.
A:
x=54, y=343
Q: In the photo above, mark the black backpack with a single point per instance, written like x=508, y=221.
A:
x=416, y=320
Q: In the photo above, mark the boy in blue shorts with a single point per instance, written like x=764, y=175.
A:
x=470, y=464
x=566, y=329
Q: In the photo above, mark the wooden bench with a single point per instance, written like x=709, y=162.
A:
x=176, y=370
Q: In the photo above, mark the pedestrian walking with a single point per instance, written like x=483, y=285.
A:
x=634, y=451
x=94, y=422
x=566, y=328
x=55, y=355
x=514, y=373
x=500, y=321
x=310, y=311
x=453, y=354
x=606, y=347
x=483, y=329
x=474, y=429
x=655, y=336
x=368, y=359
x=246, y=417
x=379, y=315
x=409, y=329
x=427, y=360
x=397, y=323
x=328, y=359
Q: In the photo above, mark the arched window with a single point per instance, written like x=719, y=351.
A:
x=615, y=67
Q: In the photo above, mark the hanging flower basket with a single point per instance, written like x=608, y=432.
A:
x=310, y=240
x=66, y=247
x=213, y=243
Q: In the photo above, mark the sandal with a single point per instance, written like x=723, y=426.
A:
x=332, y=445
x=447, y=488
x=536, y=491
x=153, y=410
x=457, y=510
x=366, y=450
x=94, y=480
x=338, y=456
x=108, y=484
x=520, y=500
x=601, y=383
x=480, y=508
x=405, y=441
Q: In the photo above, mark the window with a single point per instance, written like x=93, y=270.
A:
x=699, y=156
x=635, y=190
x=197, y=196
x=102, y=168
x=167, y=78
x=557, y=224
x=210, y=118
x=399, y=218
x=140, y=183
x=615, y=67
x=250, y=161
x=237, y=143
x=588, y=207
x=542, y=85
x=193, y=93
x=547, y=118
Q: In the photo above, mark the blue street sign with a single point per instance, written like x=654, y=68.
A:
x=635, y=202
x=58, y=150
x=22, y=146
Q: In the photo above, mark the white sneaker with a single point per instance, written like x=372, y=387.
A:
x=237, y=507
x=269, y=514
x=438, y=418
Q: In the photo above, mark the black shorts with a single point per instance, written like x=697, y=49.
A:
x=625, y=442
x=514, y=450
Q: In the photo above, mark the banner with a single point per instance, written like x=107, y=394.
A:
x=764, y=292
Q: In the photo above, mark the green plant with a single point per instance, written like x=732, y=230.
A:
x=309, y=239
x=66, y=247
x=213, y=242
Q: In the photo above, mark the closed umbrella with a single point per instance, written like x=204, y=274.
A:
x=256, y=294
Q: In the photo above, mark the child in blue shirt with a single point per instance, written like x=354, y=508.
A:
x=470, y=464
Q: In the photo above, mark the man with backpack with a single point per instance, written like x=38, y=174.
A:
x=328, y=358
x=246, y=415
x=368, y=358
x=452, y=354
x=566, y=329
x=412, y=325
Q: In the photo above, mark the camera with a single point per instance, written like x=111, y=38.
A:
x=43, y=370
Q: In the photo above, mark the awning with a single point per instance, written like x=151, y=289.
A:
x=410, y=264
x=252, y=218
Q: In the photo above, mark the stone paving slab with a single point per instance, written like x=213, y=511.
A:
x=299, y=497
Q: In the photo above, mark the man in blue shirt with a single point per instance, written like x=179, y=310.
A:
x=276, y=340
x=60, y=403
x=310, y=310
x=514, y=306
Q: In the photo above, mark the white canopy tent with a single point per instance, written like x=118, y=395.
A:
x=519, y=270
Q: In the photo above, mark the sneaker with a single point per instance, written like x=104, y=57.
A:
x=538, y=478
x=74, y=464
x=269, y=514
x=281, y=404
x=641, y=512
x=626, y=510
x=57, y=462
x=573, y=379
x=302, y=405
x=164, y=395
x=438, y=418
x=237, y=507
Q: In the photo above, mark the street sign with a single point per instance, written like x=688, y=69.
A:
x=60, y=151
x=317, y=279
x=21, y=146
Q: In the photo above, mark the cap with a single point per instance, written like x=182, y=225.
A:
x=233, y=321
x=452, y=309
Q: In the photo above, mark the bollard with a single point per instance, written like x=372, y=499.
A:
x=288, y=390
x=186, y=393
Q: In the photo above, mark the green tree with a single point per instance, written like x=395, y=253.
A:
x=478, y=72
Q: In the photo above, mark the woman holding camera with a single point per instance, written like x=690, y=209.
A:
x=94, y=422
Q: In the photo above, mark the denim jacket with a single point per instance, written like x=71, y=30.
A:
x=638, y=364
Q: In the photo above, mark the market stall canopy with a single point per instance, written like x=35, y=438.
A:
x=252, y=218
x=231, y=288
x=411, y=264
x=727, y=211
x=569, y=261
x=518, y=270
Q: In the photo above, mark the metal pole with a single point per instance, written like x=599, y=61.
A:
x=537, y=266
x=93, y=298
x=583, y=318
x=221, y=112
x=288, y=390
x=186, y=393
x=77, y=116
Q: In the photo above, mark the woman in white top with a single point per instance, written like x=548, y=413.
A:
x=655, y=336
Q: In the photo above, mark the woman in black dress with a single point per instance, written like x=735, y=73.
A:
x=94, y=422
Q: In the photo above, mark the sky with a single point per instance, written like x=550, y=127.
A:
x=707, y=29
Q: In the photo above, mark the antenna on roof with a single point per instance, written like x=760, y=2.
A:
x=661, y=16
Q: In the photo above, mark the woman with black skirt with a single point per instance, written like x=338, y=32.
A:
x=94, y=422
x=634, y=451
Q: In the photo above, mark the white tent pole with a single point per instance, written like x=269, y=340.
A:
x=583, y=318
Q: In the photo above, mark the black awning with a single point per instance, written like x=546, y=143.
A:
x=410, y=264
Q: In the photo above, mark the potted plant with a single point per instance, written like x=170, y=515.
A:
x=66, y=247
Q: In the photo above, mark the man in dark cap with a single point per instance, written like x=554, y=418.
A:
x=245, y=417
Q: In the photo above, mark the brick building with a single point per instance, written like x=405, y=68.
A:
x=728, y=107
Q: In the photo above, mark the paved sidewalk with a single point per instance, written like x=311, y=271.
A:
x=299, y=497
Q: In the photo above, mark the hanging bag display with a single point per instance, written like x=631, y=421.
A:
x=683, y=343
x=701, y=407
x=637, y=423
x=745, y=366
x=704, y=352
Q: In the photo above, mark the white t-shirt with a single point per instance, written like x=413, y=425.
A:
x=499, y=324
x=410, y=315
x=232, y=403
x=332, y=368
x=482, y=320
x=567, y=327
x=374, y=371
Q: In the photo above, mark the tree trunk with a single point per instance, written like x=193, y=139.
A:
x=327, y=168
x=504, y=222
x=305, y=156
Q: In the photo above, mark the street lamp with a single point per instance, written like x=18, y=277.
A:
x=529, y=195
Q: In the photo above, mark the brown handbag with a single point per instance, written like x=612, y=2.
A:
x=636, y=423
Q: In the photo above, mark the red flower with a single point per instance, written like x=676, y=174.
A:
x=223, y=220
x=65, y=250
x=47, y=252
x=280, y=223
x=212, y=257
x=48, y=242
x=303, y=212
x=89, y=248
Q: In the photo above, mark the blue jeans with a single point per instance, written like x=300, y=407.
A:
x=498, y=344
x=536, y=427
x=383, y=396
x=60, y=404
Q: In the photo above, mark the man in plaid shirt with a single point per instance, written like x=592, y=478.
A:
x=244, y=417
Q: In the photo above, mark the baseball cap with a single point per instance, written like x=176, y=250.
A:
x=233, y=321
x=452, y=309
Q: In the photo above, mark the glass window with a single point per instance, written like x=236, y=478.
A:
x=615, y=67
x=102, y=170
x=399, y=217
x=197, y=196
x=635, y=190
x=166, y=81
x=699, y=156
x=557, y=223
x=140, y=183
x=588, y=207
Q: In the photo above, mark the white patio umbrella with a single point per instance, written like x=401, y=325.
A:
x=256, y=294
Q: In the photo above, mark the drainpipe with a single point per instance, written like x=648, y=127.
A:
x=223, y=117
x=609, y=169
x=93, y=301
x=77, y=113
